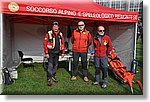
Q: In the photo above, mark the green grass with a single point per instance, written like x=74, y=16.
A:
x=32, y=82
x=139, y=57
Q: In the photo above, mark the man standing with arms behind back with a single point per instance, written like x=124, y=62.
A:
x=81, y=40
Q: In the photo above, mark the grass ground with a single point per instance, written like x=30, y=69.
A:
x=32, y=82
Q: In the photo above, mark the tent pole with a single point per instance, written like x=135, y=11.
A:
x=1, y=51
x=1, y=41
x=135, y=37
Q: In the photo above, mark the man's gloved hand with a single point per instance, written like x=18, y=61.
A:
x=62, y=55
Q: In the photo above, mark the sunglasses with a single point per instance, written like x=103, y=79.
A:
x=101, y=30
x=55, y=23
x=81, y=25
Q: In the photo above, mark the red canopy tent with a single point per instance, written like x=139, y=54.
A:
x=25, y=22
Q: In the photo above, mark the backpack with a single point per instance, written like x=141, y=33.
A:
x=7, y=78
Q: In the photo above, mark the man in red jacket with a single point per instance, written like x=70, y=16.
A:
x=81, y=40
x=53, y=46
x=102, y=45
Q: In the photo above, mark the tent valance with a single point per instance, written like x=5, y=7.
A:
x=85, y=10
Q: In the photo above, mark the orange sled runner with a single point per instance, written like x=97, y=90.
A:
x=120, y=70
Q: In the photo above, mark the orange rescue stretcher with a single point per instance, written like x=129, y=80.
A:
x=120, y=70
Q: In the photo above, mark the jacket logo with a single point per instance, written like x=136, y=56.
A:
x=50, y=46
x=84, y=32
x=13, y=7
x=105, y=43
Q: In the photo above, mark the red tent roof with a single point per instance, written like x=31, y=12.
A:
x=80, y=10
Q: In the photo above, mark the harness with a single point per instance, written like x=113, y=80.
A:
x=52, y=38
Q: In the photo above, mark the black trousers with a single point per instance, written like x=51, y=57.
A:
x=76, y=56
x=52, y=64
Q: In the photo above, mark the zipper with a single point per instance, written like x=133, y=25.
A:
x=99, y=47
x=100, y=43
x=79, y=42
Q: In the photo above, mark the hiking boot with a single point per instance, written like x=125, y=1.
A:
x=54, y=79
x=50, y=82
x=104, y=85
x=96, y=83
x=73, y=78
x=86, y=79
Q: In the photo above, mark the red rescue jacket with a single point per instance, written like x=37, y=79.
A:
x=49, y=41
x=101, y=47
x=81, y=41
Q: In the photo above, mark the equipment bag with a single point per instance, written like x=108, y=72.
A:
x=7, y=78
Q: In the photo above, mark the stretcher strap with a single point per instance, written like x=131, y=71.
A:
x=140, y=85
